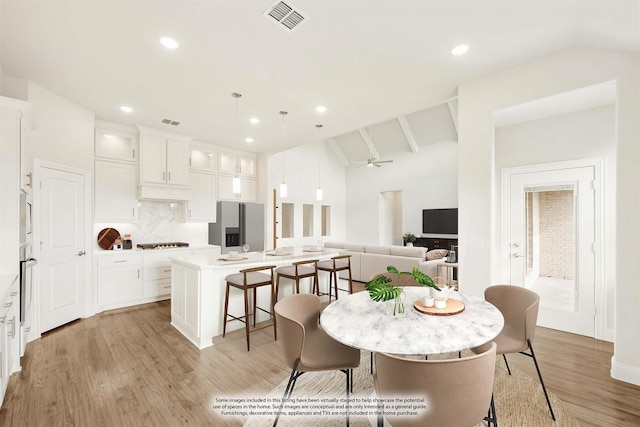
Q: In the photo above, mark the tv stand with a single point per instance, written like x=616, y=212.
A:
x=435, y=242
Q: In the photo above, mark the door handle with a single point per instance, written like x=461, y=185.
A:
x=517, y=256
x=82, y=253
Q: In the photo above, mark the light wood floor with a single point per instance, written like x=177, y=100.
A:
x=130, y=367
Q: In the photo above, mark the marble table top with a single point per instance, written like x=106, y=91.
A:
x=357, y=321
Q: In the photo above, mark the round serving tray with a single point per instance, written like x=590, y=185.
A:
x=107, y=237
x=454, y=306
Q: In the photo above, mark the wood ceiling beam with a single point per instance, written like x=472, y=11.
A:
x=366, y=138
x=408, y=134
x=338, y=152
x=453, y=110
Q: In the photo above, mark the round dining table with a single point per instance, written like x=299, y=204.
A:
x=358, y=321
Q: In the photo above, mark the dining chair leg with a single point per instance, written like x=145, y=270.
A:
x=289, y=389
x=504, y=356
x=535, y=361
x=491, y=418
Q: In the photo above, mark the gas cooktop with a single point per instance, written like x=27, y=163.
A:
x=163, y=245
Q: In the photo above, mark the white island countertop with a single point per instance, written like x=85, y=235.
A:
x=198, y=288
x=250, y=259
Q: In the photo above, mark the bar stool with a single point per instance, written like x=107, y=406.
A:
x=250, y=278
x=333, y=265
x=296, y=271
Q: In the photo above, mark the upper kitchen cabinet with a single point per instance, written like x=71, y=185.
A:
x=17, y=122
x=238, y=164
x=115, y=141
x=115, y=191
x=203, y=158
x=164, y=165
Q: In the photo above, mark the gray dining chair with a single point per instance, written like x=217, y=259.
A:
x=519, y=306
x=457, y=392
x=307, y=347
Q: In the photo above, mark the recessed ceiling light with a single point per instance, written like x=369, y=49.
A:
x=249, y=140
x=254, y=120
x=168, y=42
x=108, y=136
x=321, y=108
x=460, y=49
x=126, y=109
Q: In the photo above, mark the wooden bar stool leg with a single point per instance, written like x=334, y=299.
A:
x=277, y=287
x=316, y=286
x=350, y=281
x=273, y=314
x=330, y=278
x=246, y=316
x=335, y=282
x=255, y=305
x=226, y=307
x=297, y=285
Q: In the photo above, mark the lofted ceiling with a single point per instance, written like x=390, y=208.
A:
x=382, y=68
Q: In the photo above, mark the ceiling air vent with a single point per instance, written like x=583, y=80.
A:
x=285, y=15
x=170, y=122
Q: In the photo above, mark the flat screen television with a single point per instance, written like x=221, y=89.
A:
x=440, y=221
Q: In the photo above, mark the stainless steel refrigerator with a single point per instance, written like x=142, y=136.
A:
x=238, y=224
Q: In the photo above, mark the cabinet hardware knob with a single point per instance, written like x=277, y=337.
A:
x=81, y=253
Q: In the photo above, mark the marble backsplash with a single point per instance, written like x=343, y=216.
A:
x=160, y=221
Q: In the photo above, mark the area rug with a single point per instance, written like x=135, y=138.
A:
x=519, y=400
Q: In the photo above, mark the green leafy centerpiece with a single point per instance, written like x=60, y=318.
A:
x=381, y=287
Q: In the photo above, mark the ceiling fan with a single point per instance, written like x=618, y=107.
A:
x=371, y=161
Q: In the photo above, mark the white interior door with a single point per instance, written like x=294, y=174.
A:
x=551, y=242
x=62, y=247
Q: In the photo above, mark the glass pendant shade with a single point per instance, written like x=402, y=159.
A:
x=319, y=193
x=283, y=190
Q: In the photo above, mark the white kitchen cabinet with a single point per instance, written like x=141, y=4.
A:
x=115, y=141
x=163, y=161
x=115, y=192
x=9, y=335
x=248, y=189
x=156, y=273
x=119, y=280
x=185, y=301
x=203, y=159
x=242, y=165
x=202, y=206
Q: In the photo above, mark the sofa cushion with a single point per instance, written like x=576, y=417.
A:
x=335, y=245
x=416, y=251
x=377, y=249
x=371, y=264
x=436, y=254
x=353, y=247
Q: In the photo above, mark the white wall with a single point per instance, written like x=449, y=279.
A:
x=64, y=131
x=582, y=134
x=428, y=179
x=555, y=74
x=301, y=176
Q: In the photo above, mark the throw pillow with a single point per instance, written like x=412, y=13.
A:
x=436, y=254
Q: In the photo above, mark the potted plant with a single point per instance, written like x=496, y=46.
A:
x=380, y=288
x=408, y=238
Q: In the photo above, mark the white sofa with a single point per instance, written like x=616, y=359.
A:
x=367, y=260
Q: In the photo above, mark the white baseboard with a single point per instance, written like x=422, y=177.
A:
x=626, y=373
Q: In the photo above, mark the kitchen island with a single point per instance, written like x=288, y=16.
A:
x=198, y=289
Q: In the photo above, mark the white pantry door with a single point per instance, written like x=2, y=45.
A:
x=62, y=250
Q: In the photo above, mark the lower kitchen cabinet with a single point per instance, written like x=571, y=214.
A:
x=119, y=280
x=9, y=335
x=137, y=277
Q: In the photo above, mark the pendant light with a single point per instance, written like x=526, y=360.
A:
x=236, y=186
x=283, y=186
x=319, y=189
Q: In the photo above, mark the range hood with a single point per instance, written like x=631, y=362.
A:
x=163, y=192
